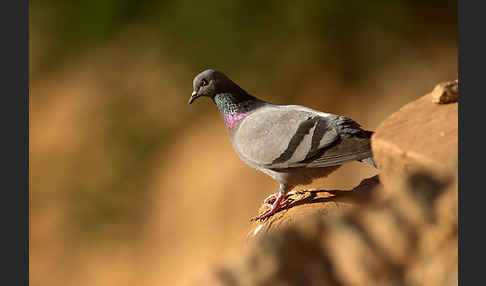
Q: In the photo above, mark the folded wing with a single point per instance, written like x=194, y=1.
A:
x=291, y=136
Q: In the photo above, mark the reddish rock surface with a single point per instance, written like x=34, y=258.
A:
x=420, y=136
x=316, y=202
x=408, y=239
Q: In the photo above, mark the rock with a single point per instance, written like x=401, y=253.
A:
x=316, y=202
x=446, y=92
x=380, y=243
x=420, y=136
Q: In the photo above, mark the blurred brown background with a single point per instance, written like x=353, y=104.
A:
x=129, y=184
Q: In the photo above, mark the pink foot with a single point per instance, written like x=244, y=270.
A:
x=274, y=207
x=270, y=199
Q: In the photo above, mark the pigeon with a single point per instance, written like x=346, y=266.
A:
x=292, y=144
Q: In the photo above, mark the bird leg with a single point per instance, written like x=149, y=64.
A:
x=268, y=212
x=271, y=198
x=280, y=200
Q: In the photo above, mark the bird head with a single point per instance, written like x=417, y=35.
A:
x=211, y=82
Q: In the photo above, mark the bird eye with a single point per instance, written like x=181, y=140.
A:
x=204, y=82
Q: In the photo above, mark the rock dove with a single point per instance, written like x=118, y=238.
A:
x=290, y=143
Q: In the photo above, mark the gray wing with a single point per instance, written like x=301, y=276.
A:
x=292, y=136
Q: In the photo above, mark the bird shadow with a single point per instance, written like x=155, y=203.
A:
x=362, y=192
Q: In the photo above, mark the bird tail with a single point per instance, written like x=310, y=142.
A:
x=370, y=162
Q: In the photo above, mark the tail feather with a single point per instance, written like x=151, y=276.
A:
x=370, y=162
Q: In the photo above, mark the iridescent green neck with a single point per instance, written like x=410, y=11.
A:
x=233, y=108
x=229, y=104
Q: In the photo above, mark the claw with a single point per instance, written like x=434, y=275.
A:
x=268, y=212
x=276, y=201
x=270, y=199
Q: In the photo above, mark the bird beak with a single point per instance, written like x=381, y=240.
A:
x=193, y=97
